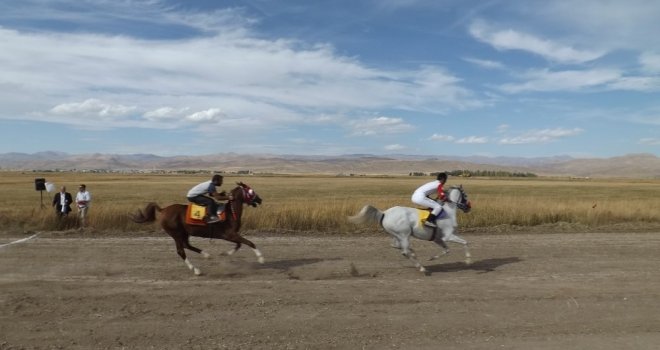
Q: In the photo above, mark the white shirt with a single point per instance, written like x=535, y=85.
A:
x=63, y=201
x=427, y=189
x=83, y=196
x=203, y=188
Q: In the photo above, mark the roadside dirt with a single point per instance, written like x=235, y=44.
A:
x=523, y=291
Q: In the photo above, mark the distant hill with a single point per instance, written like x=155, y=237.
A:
x=634, y=165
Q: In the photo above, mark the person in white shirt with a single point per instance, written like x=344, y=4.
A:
x=421, y=197
x=83, y=199
x=199, y=195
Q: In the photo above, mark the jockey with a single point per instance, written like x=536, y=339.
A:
x=198, y=195
x=421, y=197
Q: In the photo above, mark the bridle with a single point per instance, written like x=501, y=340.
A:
x=462, y=204
x=248, y=194
x=248, y=198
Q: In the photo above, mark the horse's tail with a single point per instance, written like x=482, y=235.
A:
x=146, y=215
x=368, y=214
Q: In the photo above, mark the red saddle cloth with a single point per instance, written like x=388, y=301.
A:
x=195, y=215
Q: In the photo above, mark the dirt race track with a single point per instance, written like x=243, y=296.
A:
x=523, y=291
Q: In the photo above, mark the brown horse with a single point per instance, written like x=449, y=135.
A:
x=173, y=221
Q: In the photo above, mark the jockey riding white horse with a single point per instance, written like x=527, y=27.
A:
x=404, y=222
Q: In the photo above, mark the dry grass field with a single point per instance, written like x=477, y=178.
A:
x=322, y=203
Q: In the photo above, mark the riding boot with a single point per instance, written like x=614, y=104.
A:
x=430, y=221
x=212, y=219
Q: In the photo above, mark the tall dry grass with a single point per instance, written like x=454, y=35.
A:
x=322, y=203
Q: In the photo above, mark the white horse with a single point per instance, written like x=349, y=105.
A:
x=403, y=222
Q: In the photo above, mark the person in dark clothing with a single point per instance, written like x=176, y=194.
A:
x=62, y=202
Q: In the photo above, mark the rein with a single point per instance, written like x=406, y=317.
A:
x=233, y=211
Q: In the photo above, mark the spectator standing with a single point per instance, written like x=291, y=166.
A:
x=83, y=199
x=62, y=202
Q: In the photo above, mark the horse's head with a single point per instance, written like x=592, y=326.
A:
x=246, y=194
x=458, y=196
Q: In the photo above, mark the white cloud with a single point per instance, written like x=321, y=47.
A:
x=649, y=141
x=510, y=39
x=395, y=147
x=571, y=80
x=92, y=108
x=442, y=138
x=165, y=113
x=485, y=63
x=379, y=126
x=612, y=25
x=650, y=62
x=540, y=136
x=642, y=84
x=209, y=115
x=275, y=81
x=473, y=140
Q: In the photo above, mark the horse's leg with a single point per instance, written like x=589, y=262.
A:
x=445, y=250
x=234, y=250
x=188, y=246
x=410, y=254
x=180, y=244
x=451, y=237
x=439, y=240
x=238, y=239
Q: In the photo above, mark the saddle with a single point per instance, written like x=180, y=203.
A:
x=196, y=214
x=424, y=213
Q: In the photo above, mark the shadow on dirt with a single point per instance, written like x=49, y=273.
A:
x=483, y=266
x=285, y=265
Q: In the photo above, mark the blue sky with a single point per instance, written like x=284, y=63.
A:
x=426, y=77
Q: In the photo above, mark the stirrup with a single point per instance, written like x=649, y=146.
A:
x=430, y=224
x=212, y=219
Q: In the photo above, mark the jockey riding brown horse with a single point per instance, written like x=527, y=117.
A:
x=173, y=221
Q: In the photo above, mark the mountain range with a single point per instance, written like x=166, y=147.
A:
x=632, y=165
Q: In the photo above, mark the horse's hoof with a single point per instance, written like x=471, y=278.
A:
x=468, y=262
x=197, y=272
x=261, y=260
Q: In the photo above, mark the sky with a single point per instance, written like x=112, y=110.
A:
x=527, y=78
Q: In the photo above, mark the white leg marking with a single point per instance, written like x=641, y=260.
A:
x=195, y=270
x=260, y=257
x=468, y=256
x=231, y=252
